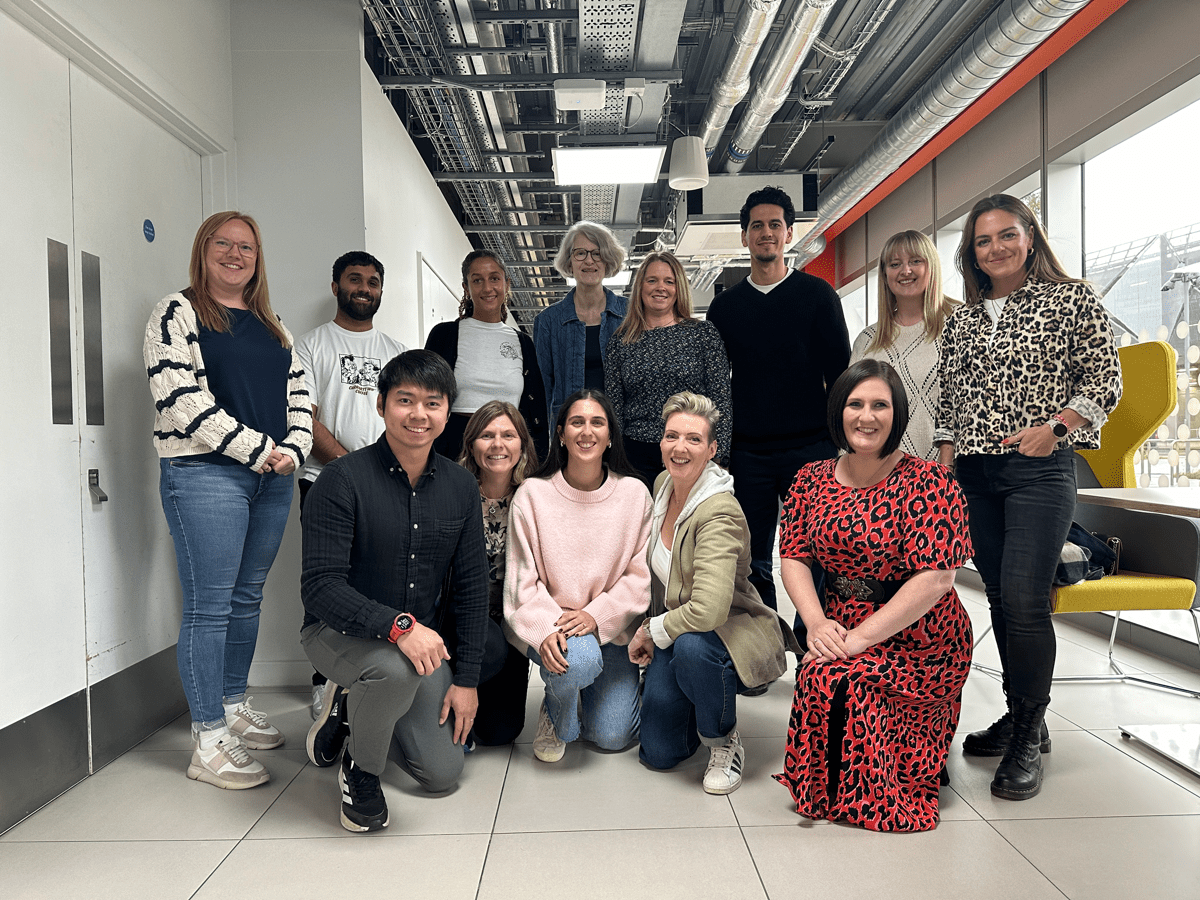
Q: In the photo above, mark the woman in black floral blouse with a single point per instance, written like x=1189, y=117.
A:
x=660, y=350
x=1029, y=372
x=499, y=452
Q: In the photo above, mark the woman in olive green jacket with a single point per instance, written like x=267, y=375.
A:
x=709, y=635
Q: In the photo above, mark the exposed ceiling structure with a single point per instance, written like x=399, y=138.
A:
x=841, y=89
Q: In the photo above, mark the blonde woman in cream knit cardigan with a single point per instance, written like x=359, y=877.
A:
x=577, y=580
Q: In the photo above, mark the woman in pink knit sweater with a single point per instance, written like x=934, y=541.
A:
x=577, y=582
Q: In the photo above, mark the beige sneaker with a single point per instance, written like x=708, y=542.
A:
x=546, y=745
x=252, y=727
x=220, y=759
x=724, y=772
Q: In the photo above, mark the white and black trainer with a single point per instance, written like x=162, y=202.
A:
x=724, y=772
x=363, y=805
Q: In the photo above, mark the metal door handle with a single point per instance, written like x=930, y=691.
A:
x=98, y=496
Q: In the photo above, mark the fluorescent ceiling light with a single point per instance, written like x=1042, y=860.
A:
x=717, y=235
x=621, y=279
x=607, y=165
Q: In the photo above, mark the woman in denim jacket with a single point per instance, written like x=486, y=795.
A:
x=571, y=336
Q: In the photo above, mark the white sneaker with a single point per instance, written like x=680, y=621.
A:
x=318, y=705
x=724, y=772
x=252, y=727
x=220, y=759
x=546, y=745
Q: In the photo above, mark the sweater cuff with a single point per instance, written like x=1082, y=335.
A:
x=658, y=631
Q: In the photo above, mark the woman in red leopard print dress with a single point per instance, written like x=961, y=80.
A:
x=878, y=693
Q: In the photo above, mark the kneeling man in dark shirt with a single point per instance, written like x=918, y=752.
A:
x=382, y=526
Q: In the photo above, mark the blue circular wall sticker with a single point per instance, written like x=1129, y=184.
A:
x=148, y=230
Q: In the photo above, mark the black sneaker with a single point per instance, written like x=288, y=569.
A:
x=363, y=805
x=328, y=734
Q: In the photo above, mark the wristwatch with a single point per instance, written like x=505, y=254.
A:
x=1060, y=427
x=403, y=625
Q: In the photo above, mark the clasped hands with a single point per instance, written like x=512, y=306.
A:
x=830, y=640
x=553, y=650
x=277, y=462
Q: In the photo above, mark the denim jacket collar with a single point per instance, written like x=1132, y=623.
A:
x=612, y=305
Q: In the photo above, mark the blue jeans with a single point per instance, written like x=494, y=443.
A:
x=1020, y=509
x=597, y=697
x=689, y=698
x=227, y=522
x=762, y=480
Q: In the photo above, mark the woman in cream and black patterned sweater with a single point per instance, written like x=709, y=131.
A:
x=233, y=422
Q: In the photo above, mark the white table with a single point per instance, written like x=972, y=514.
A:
x=1178, y=743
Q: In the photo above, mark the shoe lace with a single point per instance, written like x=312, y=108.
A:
x=243, y=709
x=235, y=750
x=364, y=786
x=546, y=729
x=722, y=757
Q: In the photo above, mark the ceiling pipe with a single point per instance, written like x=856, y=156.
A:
x=997, y=46
x=800, y=32
x=749, y=33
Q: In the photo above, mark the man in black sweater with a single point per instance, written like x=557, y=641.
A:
x=786, y=338
x=382, y=526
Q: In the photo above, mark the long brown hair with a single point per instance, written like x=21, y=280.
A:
x=1041, y=263
x=634, y=324
x=481, y=419
x=466, y=306
x=935, y=306
x=211, y=314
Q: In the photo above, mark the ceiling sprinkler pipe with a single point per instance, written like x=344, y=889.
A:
x=1007, y=36
x=749, y=34
x=799, y=34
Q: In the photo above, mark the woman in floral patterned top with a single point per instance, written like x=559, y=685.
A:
x=499, y=452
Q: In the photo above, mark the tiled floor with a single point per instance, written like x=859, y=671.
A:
x=1112, y=821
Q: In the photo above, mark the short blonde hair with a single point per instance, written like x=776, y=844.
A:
x=693, y=405
x=611, y=250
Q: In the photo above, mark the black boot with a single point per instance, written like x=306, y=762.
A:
x=1019, y=775
x=993, y=740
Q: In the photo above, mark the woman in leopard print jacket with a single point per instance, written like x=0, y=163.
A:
x=1028, y=372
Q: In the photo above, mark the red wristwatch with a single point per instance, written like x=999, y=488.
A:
x=403, y=625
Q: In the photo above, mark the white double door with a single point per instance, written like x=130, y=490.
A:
x=87, y=587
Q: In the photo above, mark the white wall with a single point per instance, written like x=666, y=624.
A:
x=405, y=213
x=324, y=166
x=172, y=55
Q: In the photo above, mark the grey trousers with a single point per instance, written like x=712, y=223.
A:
x=392, y=711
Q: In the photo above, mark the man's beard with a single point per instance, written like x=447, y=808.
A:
x=345, y=301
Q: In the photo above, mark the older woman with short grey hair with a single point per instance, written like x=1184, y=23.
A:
x=571, y=336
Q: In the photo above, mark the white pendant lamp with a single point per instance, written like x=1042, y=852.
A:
x=689, y=165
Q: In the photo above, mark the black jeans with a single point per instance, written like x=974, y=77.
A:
x=762, y=479
x=1021, y=509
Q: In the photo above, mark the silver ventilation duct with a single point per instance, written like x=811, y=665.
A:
x=1008, y=35
x=799, y=34
x=749, y=33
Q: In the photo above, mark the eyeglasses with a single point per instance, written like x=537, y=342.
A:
x=225, y=246
x=581, y=255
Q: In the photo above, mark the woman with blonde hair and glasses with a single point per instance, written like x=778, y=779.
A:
x=233, y=421
x=572, y=335
x=908, y=333
x=659, y=351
